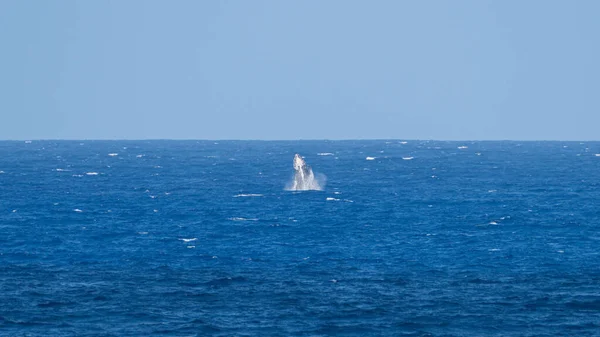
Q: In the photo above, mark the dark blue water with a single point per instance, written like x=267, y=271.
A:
x=496, y=239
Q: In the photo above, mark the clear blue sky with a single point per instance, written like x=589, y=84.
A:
x=139, y=69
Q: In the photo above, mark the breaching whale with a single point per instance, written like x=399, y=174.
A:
x=304, y=178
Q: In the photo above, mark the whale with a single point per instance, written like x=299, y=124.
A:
x=304, y=178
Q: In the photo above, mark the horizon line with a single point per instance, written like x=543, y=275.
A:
x=290, y=140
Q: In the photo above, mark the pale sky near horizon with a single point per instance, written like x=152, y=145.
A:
x=139, y=69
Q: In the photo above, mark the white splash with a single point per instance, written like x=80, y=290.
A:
x=304, y=178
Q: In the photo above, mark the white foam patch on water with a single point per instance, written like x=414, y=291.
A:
x=370, y=158
x=492, y=191
x=332, y=199
x=27, y=142
x=247, y=195
x=325, y=154
x=77, y=210
x=597, y=155
x=494, y=250
x=92, y=173
x=113, y=154
x=242, y=219
x=139, y=156
x=61, y=170
x=408, y=158
x=403, y=143
x=191, y=247
x=188, y=240
x=78, y=175
x=463, y=147
x=1, y=172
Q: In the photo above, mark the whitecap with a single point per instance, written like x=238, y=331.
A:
x=14, y=211
x=407, y=158
x=61, y=170
x=77, y=210
x=248, y=195
x=1, y=172
x=463, y=147
x=597, y=154
x=348, y=200
x=27, y=142
x=188, y=240
x=478, y=153
x=336, y=192
x=560, y=251
x=332, y=199
x=494, y=250
x=143, y=233
x=155, y=211
x=78, y=175
x=191, y=246
x=242, y=219
x=492, y=191
x=403, y=142
x=370, y=158
x=92, y=173
x=493, y=223
x=113, y=154
x=139, y=156
x=325, y=154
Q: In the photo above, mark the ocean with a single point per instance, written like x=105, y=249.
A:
x=201, y=238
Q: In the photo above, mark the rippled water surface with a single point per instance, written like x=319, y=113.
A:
x=187, y=238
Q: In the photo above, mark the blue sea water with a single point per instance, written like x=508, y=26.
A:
x=199, y=238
